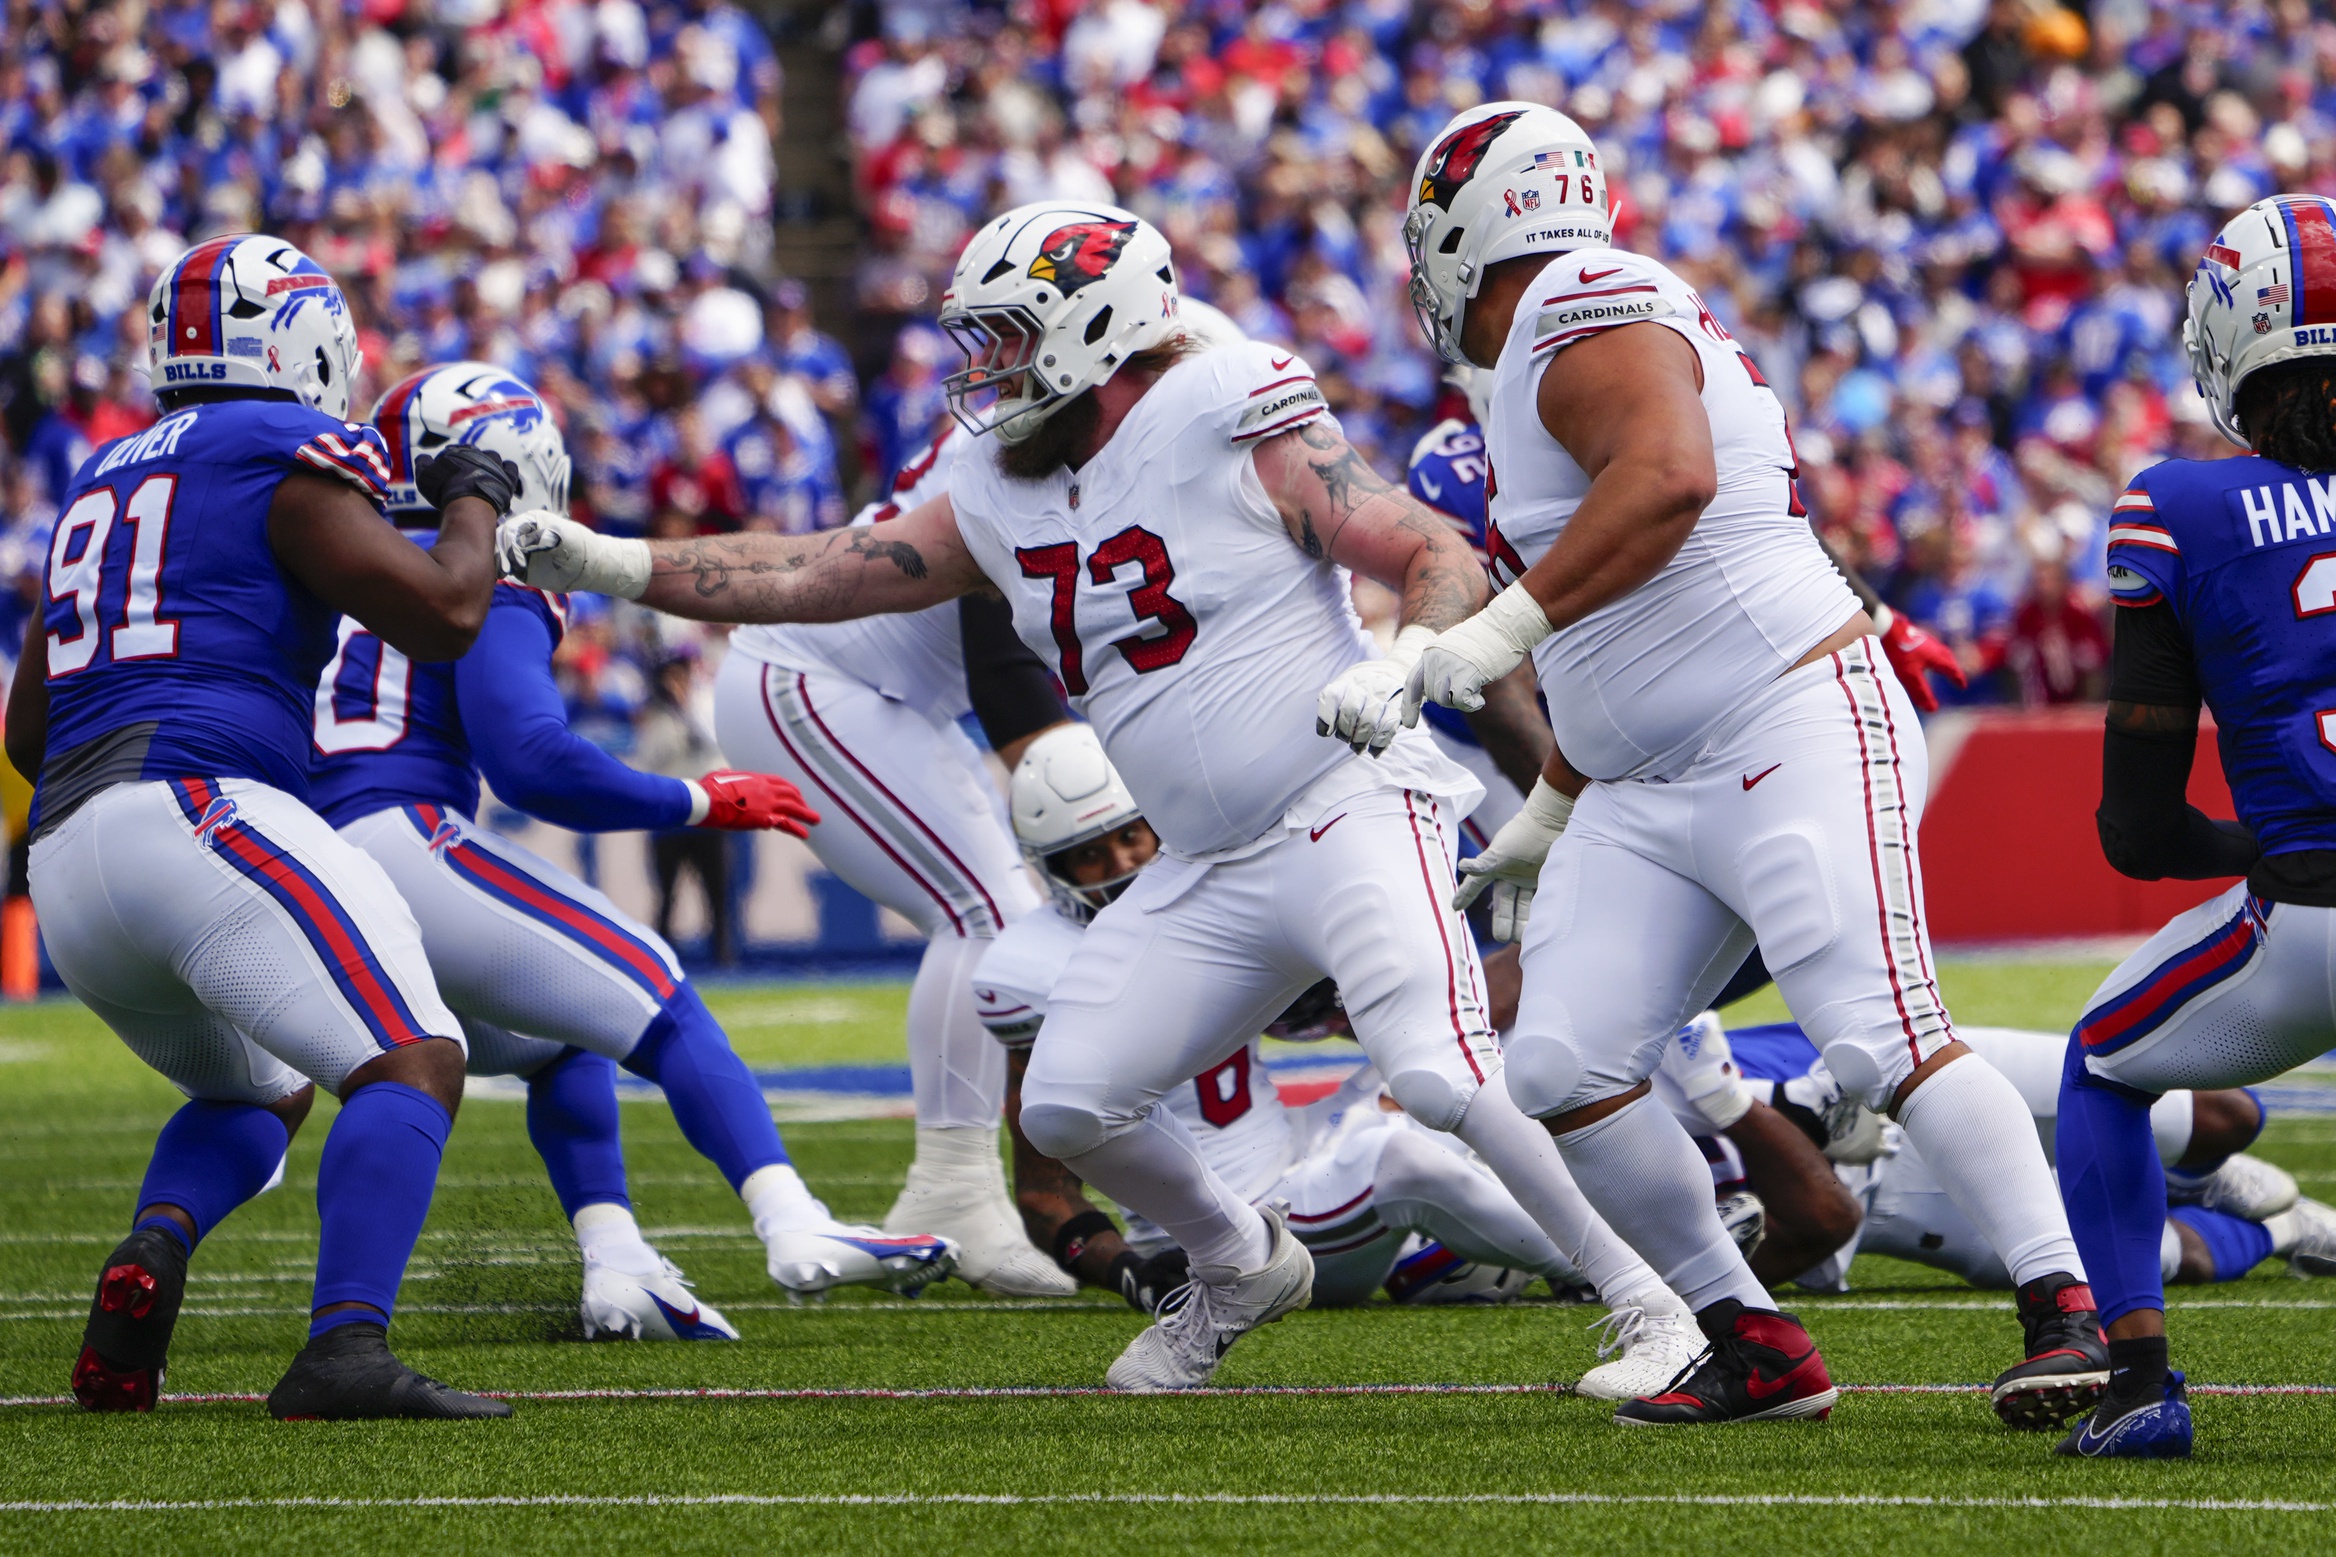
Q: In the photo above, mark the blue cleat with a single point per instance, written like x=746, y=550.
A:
x=2159, y=1430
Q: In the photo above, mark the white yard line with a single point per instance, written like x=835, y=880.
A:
x=1201, y=1499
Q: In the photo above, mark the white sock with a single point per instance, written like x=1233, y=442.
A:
x=1156, y=1169
x=779, y=1201
x=1638, y=1167
x=608, y=1235
x=1424, y=1188
x=2286, y=1230
x=958, y=1152
x=956, y=1069
x=2169, y=1253
x=1528, y=1163
x=1979, y=1140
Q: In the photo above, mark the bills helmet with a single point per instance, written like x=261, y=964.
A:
x=476, y=403
x=1503, y=179
x=1047, y=301
x=2265, y=292
x=252, y=312
x=1064, y=793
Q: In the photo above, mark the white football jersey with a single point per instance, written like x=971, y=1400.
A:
x=1633, y=687
x=913, y=657
x=1160, y=584
x=1245, y=1133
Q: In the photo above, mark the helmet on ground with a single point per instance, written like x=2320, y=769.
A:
x=1503, y=179
x=2265, y=292
x=1064, y=793
x=475, y=403
x=1047, y=301
x=252, y=312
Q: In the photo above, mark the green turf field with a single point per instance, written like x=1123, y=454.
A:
x=489, y=1304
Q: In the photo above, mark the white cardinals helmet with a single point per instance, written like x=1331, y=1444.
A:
x=252, y=312
x=1047, y=301
x=476, y=403
x=2265, y=292
x=1064, y=793
x=1503, y=179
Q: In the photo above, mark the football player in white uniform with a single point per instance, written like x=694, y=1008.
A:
x=1376, y=1199
x=862, y=716
x=1759, y=769
x=1172, y=527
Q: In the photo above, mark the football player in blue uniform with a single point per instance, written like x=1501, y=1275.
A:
x=552, y=980
x=2225, y=582
x=189, y=895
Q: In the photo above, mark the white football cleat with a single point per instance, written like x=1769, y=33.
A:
x=2314, y=1253
x=647, y=1305
x=1656, y=1348
x=807, y=1261
x=957, y=1188
x=1199, y=1322
x=2247, y=1187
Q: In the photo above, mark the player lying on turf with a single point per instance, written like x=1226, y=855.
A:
x=864, y=716
x=1173, y=527
x=187, y=893
x=1376, y=1199
x=1759, y=766
x=2228, y=1211
x=2225, y=590
x=553, y=981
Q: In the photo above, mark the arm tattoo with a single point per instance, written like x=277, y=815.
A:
x=805, y=579
x=899, y=553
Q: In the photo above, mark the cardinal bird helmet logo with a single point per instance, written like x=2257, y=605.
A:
x=1454, y=162
x=1078, y=255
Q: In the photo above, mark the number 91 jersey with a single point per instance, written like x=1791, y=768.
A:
x=2242, y=551
x=1160, y=584
x=177, y=646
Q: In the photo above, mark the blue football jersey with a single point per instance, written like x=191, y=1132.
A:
x=2241, y=549
x=389, y=730
x=177, y=646
x=1447, y=473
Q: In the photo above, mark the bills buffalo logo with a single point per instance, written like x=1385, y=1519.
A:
x=1458, y=155
x=1080, y=254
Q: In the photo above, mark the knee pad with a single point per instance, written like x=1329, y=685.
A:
x=1430, y=1097
x=1860, y=1074
x=1543, y=1073
x=1062, y=1130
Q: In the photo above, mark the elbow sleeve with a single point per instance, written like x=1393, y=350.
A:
x=2147, y=826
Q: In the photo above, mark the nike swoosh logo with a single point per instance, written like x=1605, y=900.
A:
x=1763, y=773
x=1314, y=834
x=1430, y=488
x=1587, y=277
x=1760, y=1389
x=1280, y=363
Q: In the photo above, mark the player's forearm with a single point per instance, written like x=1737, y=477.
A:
x=832, y=577
x=27, y=734
x=1636, y=517
x=1511, y=728
x=1444, y=583
x=1809, y=1214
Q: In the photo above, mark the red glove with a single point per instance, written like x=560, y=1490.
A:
x=750, y=802
x=1911, y=652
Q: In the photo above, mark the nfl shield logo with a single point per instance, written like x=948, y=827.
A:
x=2262, y=324
x=1532, y=199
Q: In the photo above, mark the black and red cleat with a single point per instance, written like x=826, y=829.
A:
x=2067, y=1365
x=1762, y=1367
x=130, y=1320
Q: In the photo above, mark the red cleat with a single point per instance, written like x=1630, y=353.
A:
x=1762, y=1367
x=127, y=1342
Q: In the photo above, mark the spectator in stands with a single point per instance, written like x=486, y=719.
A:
x=2058, y=649
x=674, y=739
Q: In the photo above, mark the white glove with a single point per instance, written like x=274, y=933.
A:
x=1365, y=706
x=1511, y=863
x=1455, y=668
x=1854, y=1133
x=551, y=552
x=1700, y=1061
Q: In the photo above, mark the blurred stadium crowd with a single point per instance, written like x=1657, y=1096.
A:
x=1953, y=233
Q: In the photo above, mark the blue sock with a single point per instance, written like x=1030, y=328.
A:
x=572, y=1118
x=372, y=1192
x=2236, y=1244
x=2113, y=1186
x=715, y=1100
x=210, y=1158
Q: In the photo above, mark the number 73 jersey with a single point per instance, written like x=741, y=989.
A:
x=177, y=645
x=1160, y=584
x=2244, y=551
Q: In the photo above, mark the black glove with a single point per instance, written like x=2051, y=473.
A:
x=1146, y=1283
x=464, y=470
